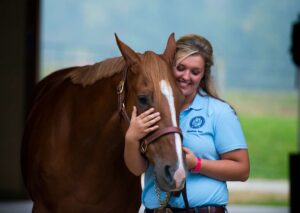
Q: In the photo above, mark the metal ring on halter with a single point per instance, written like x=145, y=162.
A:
x=157, y=134
x=144, y=147
x=120, y=87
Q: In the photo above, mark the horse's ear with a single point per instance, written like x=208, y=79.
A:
x=170, y=49
x=130, y=56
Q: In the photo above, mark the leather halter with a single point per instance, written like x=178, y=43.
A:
x=157, y=134
x=121, y=97
x=122, y=110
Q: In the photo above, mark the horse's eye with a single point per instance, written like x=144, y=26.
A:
x=143, y=100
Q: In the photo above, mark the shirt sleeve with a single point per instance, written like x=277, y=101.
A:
x=228, y=132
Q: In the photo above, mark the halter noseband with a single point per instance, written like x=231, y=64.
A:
x=152, y=136
x=155, y=135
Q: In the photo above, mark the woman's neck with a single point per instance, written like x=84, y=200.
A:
x=187, y=101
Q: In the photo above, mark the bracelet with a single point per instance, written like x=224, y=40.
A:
x=197, y=168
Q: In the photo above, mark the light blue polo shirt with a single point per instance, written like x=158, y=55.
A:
x=210, y=127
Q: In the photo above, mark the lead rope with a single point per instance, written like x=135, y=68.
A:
x=163, y=203
x=185, y=198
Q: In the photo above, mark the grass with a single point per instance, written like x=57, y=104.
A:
x=270, y=141
x=269, y=122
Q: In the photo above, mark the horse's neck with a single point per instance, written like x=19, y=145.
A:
x=105, y=107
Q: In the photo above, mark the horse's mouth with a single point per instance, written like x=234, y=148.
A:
x=170, y=185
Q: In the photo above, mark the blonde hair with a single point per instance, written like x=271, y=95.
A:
x=192, y=44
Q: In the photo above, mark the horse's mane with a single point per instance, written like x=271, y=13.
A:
x=153, y=66
x=88, y=75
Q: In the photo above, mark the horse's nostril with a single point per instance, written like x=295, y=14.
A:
x=171, y=177
x=168, y=174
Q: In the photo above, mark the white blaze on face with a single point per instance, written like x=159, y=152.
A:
x=168, y=93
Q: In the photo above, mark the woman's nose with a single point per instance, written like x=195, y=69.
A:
x=186, y=75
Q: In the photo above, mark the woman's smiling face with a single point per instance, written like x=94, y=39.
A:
x=188, y=74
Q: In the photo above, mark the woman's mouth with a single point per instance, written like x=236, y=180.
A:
x=182, y=83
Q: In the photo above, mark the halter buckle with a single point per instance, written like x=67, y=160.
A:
x=120, y=87
x=143, y=148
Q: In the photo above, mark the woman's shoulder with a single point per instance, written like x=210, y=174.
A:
x=222, y=112
x=218, y=105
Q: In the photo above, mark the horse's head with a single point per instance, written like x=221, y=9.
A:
x=150, y=83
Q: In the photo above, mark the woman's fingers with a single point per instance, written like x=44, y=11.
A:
x=133, y=115
x=187, y=151
x=152, y=120
x=151, y=117
x=146, y=122
x=143, y=124
x=146, y=113
x=151, y=129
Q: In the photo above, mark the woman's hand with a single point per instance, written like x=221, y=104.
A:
x=139, y=127
x=233, y=165
x=191, y=159
x=143, y=124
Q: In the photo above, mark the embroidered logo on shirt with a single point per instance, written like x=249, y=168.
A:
x=197, y=122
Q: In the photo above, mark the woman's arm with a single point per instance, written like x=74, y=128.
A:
x=233, y=165
x=139, y=127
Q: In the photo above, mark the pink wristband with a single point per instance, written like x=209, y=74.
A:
x=197, y=168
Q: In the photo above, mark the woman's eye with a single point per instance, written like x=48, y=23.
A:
x=196, y=71
x=143, y=100
x=180, y=67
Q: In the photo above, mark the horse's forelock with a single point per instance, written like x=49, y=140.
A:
x=155, y=70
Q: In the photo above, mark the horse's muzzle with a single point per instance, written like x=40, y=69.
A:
x=171, y=178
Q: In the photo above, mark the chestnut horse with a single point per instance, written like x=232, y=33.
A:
x=73, y=144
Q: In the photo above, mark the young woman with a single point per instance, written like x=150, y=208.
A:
x=213, y=140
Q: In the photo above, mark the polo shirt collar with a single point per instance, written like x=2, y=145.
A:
x=200, y=101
